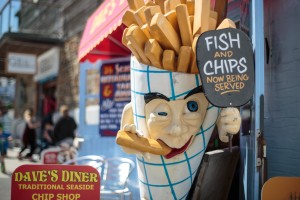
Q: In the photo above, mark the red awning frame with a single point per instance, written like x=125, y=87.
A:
x=102, y=35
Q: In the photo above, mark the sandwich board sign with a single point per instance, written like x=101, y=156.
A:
x=226, y=65
x=55, y=182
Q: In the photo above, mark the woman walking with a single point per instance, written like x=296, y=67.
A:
x=29, y=135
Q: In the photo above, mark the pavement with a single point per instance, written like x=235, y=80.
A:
x=11, y=163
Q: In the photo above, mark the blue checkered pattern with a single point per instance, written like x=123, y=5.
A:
x=162, y=178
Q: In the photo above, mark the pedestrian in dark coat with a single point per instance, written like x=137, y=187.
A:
x=64, y=129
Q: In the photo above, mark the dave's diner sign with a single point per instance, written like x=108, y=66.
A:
x=226, y=66
x=55, y=182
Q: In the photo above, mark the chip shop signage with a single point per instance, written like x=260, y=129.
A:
x=226, y=65
x=47, y=64
x=55, y=182
x=21, y=63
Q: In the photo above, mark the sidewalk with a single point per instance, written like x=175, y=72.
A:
x=11, y=163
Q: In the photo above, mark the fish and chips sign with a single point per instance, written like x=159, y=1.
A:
x=226, y=65
x=55, y=182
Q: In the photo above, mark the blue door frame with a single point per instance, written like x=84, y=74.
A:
x=248, y=144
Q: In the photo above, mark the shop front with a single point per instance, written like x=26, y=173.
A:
x=21, y=52
x=104, y=82
x=101, y=54
x=104, y=78
x=48, y=65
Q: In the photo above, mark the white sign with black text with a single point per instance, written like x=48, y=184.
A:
x=47, y=64
x=21, y=63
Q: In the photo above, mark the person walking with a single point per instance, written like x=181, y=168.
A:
x=5, y=126
x=64, y=129
x=29, y=135
x=4, y=138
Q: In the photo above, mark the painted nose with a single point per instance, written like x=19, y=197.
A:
x=177, y=126
x=177, y=129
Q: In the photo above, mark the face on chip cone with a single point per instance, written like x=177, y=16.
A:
x=171, y=107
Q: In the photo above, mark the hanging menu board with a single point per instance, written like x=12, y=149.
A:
x=226, y=66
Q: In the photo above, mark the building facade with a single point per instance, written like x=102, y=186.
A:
x=41, y=26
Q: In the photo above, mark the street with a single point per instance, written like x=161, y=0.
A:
x=11, y=163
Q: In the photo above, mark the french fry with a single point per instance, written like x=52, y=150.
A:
x=164, y=33
x=169, y=60
x=195, y=43
x=138, y=40
x=184, y=25
x=139, y=16
x=134, y=52
x=135, y=4
x=150, y=12
x=226, y=23
x=145, y=29
x=191, y=18
x=154, y=52
x=184, y=59
x=172, y=18
x=213, y=14
x=128, y=18
x=201, y=19
x=161, y=4
x=149, y=3
x=162, y=30
x=173, y=4
x=213, y=20
x=190, y=6
x=132, y=140
x=212, y=24
x=124, y=39
x=193, y=65
x=167, y=6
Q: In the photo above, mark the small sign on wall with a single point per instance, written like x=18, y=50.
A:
x=48, y=64
x=21, y=63
x=114, y=95
x=55, y=182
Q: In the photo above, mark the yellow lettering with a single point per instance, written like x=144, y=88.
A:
x=94, y=177
x=36, y=196
x=65, y=176
x=26, y=176
x=67, y=196
x=217, y=55
x=54, y=176
x=223, y=54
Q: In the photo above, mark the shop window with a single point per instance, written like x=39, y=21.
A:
x=92, y=82
x=92, y=97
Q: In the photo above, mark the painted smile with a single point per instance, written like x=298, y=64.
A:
x=180, y=150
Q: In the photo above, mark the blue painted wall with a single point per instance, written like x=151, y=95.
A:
x=94, y=143
x=282, y=77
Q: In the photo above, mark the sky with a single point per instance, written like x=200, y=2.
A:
x=15, y=5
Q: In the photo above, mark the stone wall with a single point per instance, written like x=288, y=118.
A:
x=68, y=77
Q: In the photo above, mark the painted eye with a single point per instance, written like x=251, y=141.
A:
x=162, y=113
x=192, y=106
